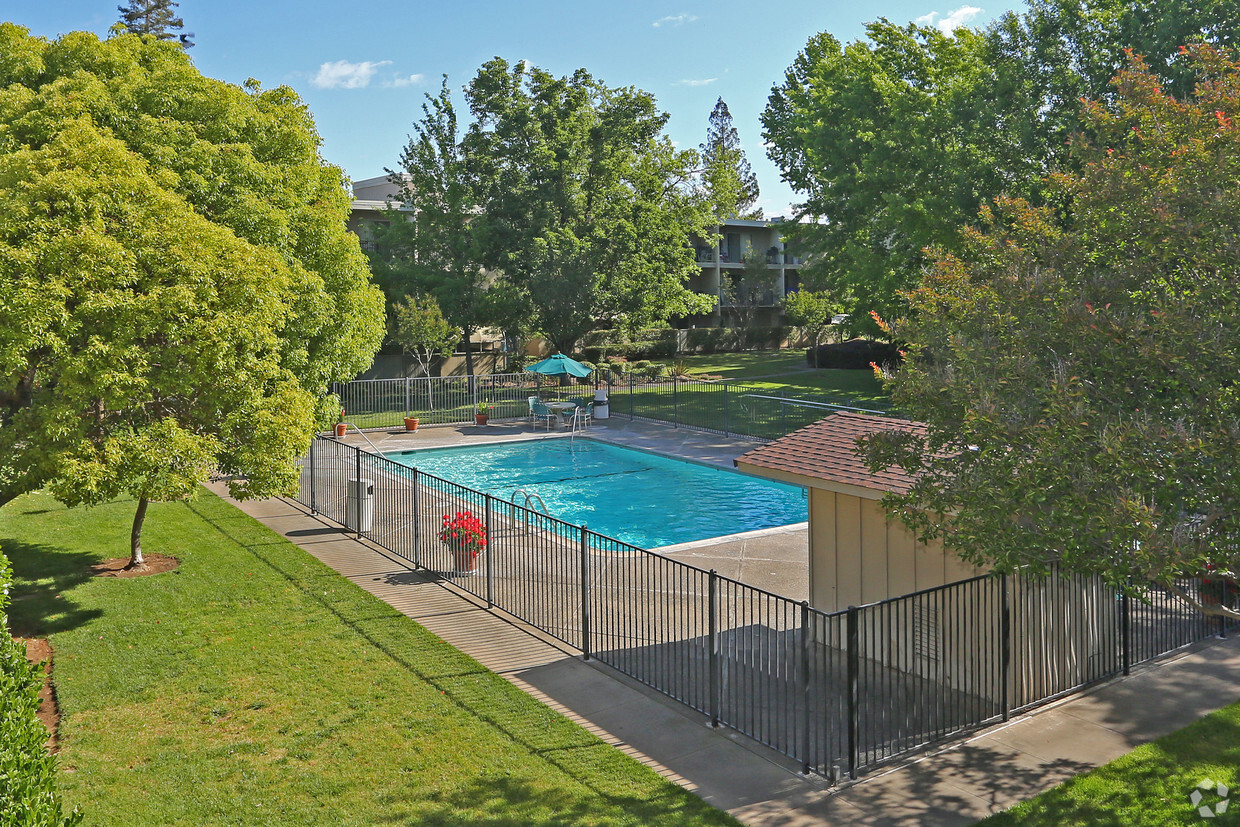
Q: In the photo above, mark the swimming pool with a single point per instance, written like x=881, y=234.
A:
x=644, y=499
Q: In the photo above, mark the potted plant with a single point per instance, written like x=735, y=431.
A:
x=482, y=413
x=466, y=536
x=411, y=423
x=341, y=427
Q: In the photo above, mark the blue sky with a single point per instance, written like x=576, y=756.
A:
x=363, y=68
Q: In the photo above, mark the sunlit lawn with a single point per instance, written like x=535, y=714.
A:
x=253, y=685
x=1149, y=786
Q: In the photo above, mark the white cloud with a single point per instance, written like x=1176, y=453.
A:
x=674, y=20
x=689, y=82
x=342, y=74
x=954, y=20
x=406, y=80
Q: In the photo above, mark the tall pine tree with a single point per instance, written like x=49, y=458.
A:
x=726, y=173
x=154, y=17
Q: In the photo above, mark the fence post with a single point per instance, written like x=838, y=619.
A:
x=675, y=405
x=853, y=669
x=712, y=625
x=1125, y=630
x=806, y=682
x=490, y=552
x=725, y=409
x=313, y=443
x=1005, y=658
x=783, y=413
x=585, y=594
x=408, y=396
x=417, y=520
x=357, y=509
x=630, y=396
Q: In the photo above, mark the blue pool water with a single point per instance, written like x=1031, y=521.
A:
x=641, y=498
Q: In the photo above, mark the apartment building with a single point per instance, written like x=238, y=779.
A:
x=723, y=258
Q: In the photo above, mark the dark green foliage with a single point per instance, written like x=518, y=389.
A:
x=731, y=185
x=28, y=796
x=155, y=17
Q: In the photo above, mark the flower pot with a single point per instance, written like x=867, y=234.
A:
x=411, y=424
x=340, y=429
x=464, y=561
x=481, y=419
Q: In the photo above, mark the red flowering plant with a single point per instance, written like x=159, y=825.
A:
x=463, y=531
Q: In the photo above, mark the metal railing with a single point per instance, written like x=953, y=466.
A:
x=839, y=692
x=726, y=408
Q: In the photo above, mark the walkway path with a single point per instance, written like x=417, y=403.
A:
x=954, y=785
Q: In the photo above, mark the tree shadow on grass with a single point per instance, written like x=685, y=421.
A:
x=508, y=802
x=42, y=576
x=577, y=754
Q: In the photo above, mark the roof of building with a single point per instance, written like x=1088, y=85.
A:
x=826, y=450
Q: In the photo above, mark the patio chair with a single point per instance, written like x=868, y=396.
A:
x=539, y=411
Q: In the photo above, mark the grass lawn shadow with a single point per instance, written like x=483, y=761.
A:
x=42, y=574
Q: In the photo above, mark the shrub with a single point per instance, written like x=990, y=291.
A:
x=27, y=771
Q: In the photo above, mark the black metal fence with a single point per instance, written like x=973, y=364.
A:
x=725, y=408
x=839, y=692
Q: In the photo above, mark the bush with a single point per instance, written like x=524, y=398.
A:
x=855, y=354
x=27, y=771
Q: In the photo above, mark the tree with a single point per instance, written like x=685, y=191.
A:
x=730, y=183
x=178, y=284
x=154, y=17
x=587, y=208
x=898, y=139
x=746, y=291
x=895, y=144
x=812, y=310
x=1079, y=384
x=419, y=328
x=441, y=251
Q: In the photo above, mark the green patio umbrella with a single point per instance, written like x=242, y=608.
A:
x=560, y=364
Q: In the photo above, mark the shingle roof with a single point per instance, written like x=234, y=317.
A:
x=826, y=450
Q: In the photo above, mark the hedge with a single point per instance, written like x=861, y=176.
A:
x=27, y=772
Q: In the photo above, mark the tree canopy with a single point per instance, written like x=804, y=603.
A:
x=569, y=206
x=154, y=17
x=896, y=140
x=177, y=285
x=730, y=183
x=1081, y=384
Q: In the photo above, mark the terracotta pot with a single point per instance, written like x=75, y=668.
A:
x=411, y=424
x=481, y=419
x=340, y=429
x=464, y=560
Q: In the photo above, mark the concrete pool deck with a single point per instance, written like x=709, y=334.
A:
x=773, y=559
x=952, y=785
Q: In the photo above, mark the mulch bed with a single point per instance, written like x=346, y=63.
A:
x=116, y=567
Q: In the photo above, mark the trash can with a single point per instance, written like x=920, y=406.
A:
x=601, y=410
x=359, y=511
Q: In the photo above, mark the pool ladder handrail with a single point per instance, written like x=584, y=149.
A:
x=530, y=496
x=361, y=433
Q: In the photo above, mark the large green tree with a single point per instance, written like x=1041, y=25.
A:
x=729, y=180
x=177, y=286
x=588, y=207
x=895, y=144
x=1081, y=386
x=440, y=252
x=895, y=140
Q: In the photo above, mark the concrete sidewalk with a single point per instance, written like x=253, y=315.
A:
x=956, y=784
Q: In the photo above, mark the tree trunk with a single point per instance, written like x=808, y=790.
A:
x=135, y=537
x=469, y=359
x=815, y=351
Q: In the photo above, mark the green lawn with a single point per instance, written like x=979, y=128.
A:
x=253, y=685
x=786, y=370
x=1150, y=785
